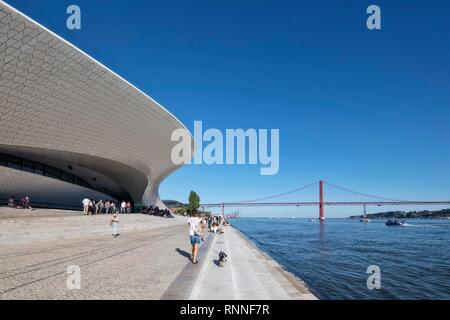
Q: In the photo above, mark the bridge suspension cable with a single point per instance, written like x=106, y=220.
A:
x=279, y=195
x=380, y=201
x=362, y=194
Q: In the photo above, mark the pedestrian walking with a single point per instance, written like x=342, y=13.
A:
x=195, y=236
x=107, y=206
x=85, y=203
x=115, y=225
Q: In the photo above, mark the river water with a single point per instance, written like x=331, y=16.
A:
x=333, y=257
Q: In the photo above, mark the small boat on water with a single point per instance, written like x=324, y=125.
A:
x=364, y=218
x=312, y=220
x=395, y=223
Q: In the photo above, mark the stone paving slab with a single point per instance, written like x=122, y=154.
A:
x=149, y=260
x=248, y=274
x=139, y=264
x=184, y=284
x=18, y=227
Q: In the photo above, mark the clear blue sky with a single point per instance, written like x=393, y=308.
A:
x=368, y=110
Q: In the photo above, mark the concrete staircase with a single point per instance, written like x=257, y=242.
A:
x=26, y=226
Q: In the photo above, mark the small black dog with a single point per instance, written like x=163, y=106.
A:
x=222, y=258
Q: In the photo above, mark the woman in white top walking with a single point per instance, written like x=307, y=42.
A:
x=195, y=236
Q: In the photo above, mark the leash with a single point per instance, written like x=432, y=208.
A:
x=215, y=250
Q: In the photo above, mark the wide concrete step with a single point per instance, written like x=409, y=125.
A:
x=15, y=227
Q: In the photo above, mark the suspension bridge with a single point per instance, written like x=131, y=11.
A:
x=372, y=200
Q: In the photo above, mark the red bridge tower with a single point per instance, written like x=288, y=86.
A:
x=321, y=205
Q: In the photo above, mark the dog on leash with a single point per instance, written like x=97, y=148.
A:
x=222, y=259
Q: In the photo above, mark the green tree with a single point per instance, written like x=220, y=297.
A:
x=194, y=203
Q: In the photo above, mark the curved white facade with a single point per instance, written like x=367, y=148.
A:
x=60, y=107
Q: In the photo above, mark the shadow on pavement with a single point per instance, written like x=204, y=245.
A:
x=183, y=253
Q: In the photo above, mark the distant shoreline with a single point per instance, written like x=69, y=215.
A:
x=441, y=214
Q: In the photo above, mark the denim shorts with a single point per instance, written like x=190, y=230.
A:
x=195, y=240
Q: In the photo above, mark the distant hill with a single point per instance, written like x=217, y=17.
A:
x=173, y=204
x=441, y=214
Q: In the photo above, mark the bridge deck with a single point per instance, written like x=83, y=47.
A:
x=326, y=203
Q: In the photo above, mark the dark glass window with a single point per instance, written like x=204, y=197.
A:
x=48, y=172
x=58, y=174
x=3, y=160
x=67, y=177
x=81, y=182
x=27, y=165
x=39, y=168
x=84, y=183
x=53, y=172
x=15, y=163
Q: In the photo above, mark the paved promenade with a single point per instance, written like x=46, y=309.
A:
x=149, y=260
x=139, y=264
x=18, y=226
x=248, y=274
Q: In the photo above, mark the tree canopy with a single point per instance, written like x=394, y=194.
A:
x=194, y=203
